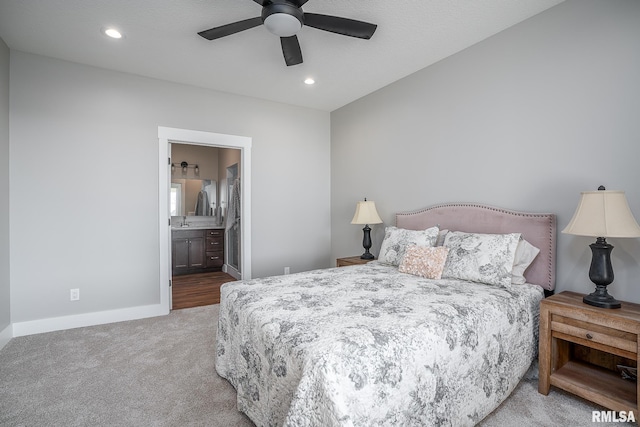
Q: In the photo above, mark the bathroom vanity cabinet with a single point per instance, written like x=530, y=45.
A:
x=196, y=250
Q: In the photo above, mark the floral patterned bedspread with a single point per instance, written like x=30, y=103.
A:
x=367, y=345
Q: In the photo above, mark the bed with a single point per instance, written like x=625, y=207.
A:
x=374, y=345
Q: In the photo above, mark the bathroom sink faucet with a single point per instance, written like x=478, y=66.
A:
x=184, y=221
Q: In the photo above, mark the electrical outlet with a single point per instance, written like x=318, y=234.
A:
x=287, y=270
x=75, y=294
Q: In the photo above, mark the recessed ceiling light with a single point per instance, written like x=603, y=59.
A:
x=309, y=81
x=113, y=33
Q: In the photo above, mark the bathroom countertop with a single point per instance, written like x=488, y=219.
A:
x=198, y=227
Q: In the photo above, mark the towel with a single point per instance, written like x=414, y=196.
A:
x=233, y=211
x=202, y=204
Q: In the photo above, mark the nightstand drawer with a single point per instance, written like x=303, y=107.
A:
x=582, y=332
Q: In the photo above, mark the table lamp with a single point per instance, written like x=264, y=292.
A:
x=601, y=214
x=366, y=214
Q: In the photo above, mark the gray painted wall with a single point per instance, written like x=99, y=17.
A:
x=84, y=182
x=5, y=291
x=524, y=120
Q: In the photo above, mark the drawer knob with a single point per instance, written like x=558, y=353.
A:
x=589, y=336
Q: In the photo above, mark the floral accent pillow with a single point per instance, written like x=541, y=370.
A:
x=484, y=258
x=396, y=240
x=424, y=261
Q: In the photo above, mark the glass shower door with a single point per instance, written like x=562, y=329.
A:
x=233, y=228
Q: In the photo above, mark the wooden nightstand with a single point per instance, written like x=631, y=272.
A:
x=581, y=345
x=352, y=260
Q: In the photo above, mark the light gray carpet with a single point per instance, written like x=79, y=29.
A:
x=160, y=372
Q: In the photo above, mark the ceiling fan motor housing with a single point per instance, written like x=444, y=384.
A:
x=282, y=19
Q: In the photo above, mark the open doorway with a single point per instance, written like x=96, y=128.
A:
x=169, y=136
x=204, y=223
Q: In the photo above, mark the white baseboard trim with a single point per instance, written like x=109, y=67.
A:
x=5, y=335
x=231, y=272
x=87, y=319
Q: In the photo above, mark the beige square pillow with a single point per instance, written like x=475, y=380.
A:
x=425, y=261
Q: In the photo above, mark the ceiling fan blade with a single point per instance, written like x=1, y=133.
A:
x=344, y=26
x=291, y=50
x=227, y=30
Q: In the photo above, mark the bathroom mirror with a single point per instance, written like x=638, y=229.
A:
x=193, y=197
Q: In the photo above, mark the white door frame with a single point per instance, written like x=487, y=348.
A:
x=167, y=135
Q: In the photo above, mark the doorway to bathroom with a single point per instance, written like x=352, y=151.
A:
x=205, y=210
x=207, y=215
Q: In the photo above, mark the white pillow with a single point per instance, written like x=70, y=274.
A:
x=483, y=258
x=441, y=235
x=396, y=241
x=525, y=254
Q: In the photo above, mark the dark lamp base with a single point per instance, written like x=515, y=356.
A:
x=600, y=298
x=601, y=274
x=366, y=243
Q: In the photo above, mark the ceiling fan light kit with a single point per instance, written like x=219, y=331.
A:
x=285, y=18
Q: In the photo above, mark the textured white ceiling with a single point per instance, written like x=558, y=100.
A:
x=161, y=41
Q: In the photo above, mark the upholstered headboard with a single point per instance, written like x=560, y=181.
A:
x=539, y=229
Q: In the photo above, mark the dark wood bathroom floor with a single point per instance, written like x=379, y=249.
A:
x=195, y=290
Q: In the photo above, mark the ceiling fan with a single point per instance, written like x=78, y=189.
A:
x=285, y=18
